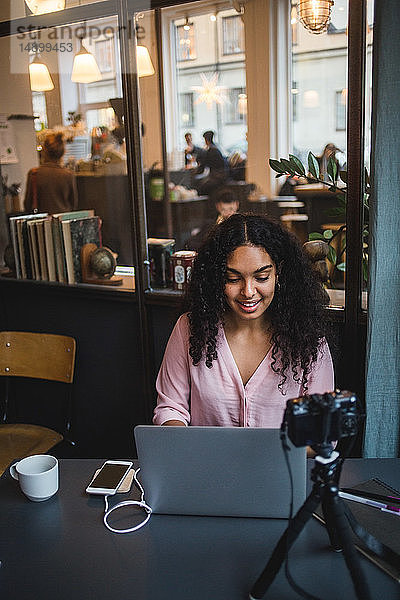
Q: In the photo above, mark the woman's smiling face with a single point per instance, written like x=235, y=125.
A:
x=250, y=281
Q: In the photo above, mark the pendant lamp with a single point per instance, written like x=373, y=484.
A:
x=315, y=15
x=85, y=68
x=40, y=7
x=143, y=60
x=39, y=76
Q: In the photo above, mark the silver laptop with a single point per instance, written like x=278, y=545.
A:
x=218, y=471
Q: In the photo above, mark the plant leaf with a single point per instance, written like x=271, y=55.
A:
x=331, y=168
x=289, y=168
x=315, y=236
x=328, y=234
x=332, y=255
x=365, y=270
x=341, y=266
x=276, y=166
x=343, y=176
x=296, y=162
x=313, y=165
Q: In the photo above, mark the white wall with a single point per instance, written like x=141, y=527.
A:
x=16, y=98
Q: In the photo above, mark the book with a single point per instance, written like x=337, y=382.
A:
x=34, y=250
x=385, y=527
x=39, y=225
x=58, y=241
x=77, y=233
x=48, y=238
x=21, y=249
x=16, y=243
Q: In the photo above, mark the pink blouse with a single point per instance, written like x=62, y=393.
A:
x=197, y=395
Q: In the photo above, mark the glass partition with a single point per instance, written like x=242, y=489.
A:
x=319, y=117
x=63, y=116
x=258, y=102
x=203, y=72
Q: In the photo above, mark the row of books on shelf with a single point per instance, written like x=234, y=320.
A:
x=48, y=247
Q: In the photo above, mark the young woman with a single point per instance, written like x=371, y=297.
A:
x=253, y=336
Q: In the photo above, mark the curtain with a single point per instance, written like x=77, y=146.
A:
x=382, y=436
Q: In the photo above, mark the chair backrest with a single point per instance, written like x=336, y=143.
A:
x=37, y=355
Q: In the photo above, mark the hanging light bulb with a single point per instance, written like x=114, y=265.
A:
x=40, y=7
x=315, y=15
x=186, y=26
x=85, y=68
x=39, y=76
x=143, y=61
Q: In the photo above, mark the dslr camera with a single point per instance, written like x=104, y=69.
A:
x=318, y=419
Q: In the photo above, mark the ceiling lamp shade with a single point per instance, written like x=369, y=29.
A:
x=144, y=64
x=39, y=76
x=40, y=7
x=315, y=15
x=85, y=68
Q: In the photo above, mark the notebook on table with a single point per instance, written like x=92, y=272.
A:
x=385, y=527
x=218, y=471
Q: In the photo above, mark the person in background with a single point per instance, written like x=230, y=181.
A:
x=51, y=187
x=253, y=335
x=212, y=159
x=191, y=152
x=226, y=204
x=329, y=151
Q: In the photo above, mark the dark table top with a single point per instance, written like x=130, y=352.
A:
x=60, y=549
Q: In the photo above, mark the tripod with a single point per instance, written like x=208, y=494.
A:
x=325, y=491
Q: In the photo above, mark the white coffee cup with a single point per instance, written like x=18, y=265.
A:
x=37, y=476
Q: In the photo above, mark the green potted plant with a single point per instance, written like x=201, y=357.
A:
x=294, y=167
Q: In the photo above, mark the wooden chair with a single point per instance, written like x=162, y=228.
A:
x=39, y=356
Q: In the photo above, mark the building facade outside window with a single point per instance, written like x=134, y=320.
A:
x=340, y=110
x=185, y=42
x=186, y=109
x=232, y=35
x=233, y=112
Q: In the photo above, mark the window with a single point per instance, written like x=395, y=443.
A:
x=232, y=35
x=105, y=56
x=39, y=110
x=338, y=22
x=295, y=93
x=293, y=23
x=234, y=112
x=186, y=109
x=340, y=110
x=185, y=42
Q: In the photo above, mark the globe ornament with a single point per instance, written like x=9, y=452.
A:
x=102, y=263
x=98, y=265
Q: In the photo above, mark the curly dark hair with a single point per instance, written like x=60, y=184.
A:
x=296, y=312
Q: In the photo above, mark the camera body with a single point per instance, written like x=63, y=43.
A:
x=319, y=419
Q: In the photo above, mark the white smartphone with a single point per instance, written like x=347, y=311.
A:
x=109, y=478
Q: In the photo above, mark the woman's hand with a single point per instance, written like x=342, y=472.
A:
x=174, y=423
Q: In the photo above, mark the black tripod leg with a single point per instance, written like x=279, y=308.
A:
x=335, y=507
x=330, y=526
x=286, y=541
